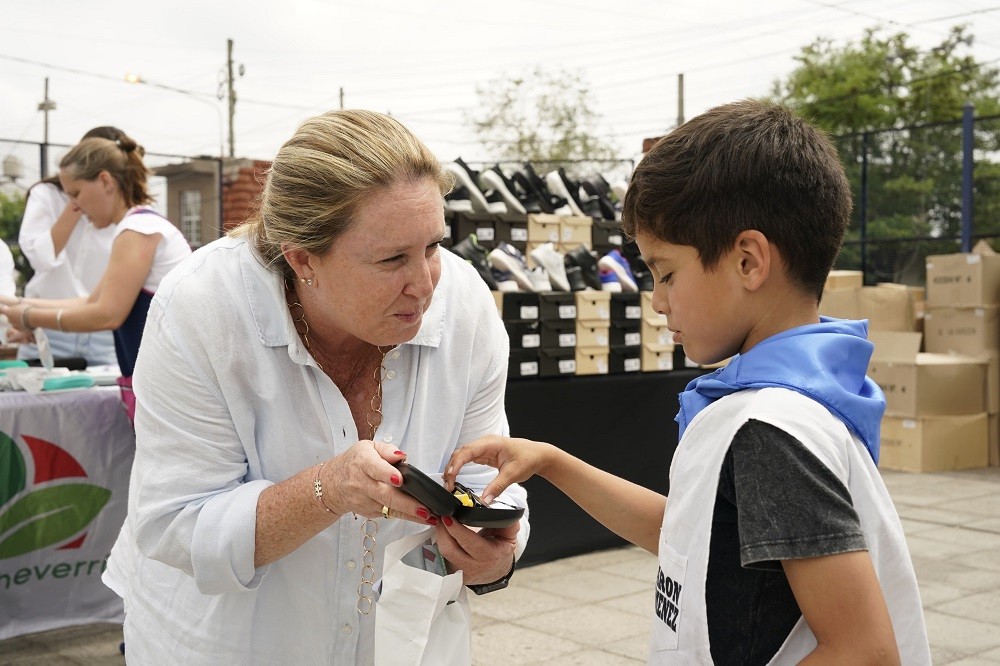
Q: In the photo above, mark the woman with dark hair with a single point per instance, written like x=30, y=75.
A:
x=68, y=256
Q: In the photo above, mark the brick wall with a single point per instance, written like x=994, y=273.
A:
x=241, y=186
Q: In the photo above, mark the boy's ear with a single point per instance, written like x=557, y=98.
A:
x=753, y=251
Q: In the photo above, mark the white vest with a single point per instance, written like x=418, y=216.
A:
x=680, y=621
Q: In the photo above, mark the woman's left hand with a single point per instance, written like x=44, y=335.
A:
x=484, y=556
x=13, y=312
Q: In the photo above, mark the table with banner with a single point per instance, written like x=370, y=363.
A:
x=65, y=458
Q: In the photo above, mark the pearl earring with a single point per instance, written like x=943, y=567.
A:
x=306, y=281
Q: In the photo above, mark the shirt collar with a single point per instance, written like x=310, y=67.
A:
x=265, y=295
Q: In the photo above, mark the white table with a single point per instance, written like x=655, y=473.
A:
x=65, y=459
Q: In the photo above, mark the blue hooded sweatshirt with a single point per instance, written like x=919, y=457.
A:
x=826, y=362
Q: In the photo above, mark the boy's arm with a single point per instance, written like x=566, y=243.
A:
x=841, y=599
x=631, y=511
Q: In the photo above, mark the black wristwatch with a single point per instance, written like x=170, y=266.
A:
x=486, y=588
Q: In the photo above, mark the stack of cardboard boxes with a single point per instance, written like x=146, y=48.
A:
x=963, y=297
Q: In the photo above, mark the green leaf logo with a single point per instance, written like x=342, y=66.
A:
x=48, y=516
x=12, y=470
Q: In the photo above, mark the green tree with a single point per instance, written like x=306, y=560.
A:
x=11, y=213
x=544, y=117
x=858, y=92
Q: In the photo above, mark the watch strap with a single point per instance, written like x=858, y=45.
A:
x=500, y=584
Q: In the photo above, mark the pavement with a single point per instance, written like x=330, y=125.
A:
x=593, y=608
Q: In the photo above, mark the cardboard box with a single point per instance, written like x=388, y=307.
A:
x=957, y=280
x=575, y=231
x=593, y=333
x=483, y=225
x=962, y=330
x=657, y=357
x=556, y=362
x=558, y=334
x=512, y=228
x=592, y=360
x=844, y=280
x=593, y=305
x=557, y=305
x=524, y=334
x=993, y=441
x=519, y=306
x=523, y=363
x=543, y=228
x=498, y=299
x=606, y=235
x=934, y=443
x=917, y=384
x=625, y=359
x=625, y=306
x=626, y=334
x=887, y=307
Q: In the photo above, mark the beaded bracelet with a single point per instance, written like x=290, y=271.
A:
x=25, y=324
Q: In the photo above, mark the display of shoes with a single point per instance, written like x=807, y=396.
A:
x=552, y=261
x=561, y=185
x=574, y=277
x=596, y=185
x=539, y=279
x=508, y=258
x=466, y=178
x=617, y=263
x=494, y=179
x=458, y=201
x=582, y=257
x=551, y=202
x=609, y=280
x=470, y=250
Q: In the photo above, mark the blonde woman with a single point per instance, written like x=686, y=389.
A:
x=284, y=369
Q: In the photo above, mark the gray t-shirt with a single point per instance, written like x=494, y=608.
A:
x=776, y=501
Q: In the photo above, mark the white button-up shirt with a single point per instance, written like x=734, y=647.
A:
x=230, y=402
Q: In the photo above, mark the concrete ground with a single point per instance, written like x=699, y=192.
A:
x=593, y=609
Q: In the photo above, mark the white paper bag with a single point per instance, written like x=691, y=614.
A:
x=414, y=621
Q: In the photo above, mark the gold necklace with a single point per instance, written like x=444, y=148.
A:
x=369, y=528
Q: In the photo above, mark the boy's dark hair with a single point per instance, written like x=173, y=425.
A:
x=746, y=165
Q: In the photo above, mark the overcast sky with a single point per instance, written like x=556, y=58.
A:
x=421, y=60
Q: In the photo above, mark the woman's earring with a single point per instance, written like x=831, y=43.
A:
x=306, y=281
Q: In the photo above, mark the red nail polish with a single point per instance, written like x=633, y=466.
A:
x=432, y=521
x=422, y=512
x=395, y=479
x=399, y=453
x=447, y=521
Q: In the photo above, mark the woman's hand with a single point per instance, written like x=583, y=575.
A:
x=516, y=459
x=363, y=479
x=484, y=556
x=17, y=337
x=13, y=311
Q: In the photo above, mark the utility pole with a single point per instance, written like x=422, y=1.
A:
x=45, y=106
x=342, y=97
x=680, y=99
x=232, y=96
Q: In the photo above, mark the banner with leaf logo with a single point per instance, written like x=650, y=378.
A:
x=64, y=466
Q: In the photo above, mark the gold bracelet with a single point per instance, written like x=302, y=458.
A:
x=59, y=319
x=318, y=488
x=25, y=324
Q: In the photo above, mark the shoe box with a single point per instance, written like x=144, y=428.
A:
x=623, y=359
x=606, y=236
x=513, y=228
x=523, y=363
x=524, y=334
x=593, y=337
x=626, y=307
x=557, y=316
x=483, y=225
x=575, y=230
x=658, y=349
x=543, y=228
x=519, y=312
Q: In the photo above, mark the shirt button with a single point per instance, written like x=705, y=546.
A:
x=394, y=355
x=352, y=565
x=347, y=629
x=387, y=439
x=391, y=374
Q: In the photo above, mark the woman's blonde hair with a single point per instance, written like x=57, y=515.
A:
x=121, y=157
x=320, y=177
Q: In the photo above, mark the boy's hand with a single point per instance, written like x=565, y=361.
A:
x=516, y=459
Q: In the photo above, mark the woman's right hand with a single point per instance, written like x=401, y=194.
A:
x=516, y=460
x=363, y=479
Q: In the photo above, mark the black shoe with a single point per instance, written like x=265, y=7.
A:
x=550, y=199
x=592, y=208
x=470, y=250
x=596, y=185
x=574, y=275
x=494, y=179
x=458, y=200
x=643, y=276
x=529, y=198
x=587, y=263
x=559, y=183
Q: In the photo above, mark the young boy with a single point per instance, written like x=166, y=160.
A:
x=779, y=542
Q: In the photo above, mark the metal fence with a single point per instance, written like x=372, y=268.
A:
x=918, y=191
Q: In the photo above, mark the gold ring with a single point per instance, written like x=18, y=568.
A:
x=385, y=511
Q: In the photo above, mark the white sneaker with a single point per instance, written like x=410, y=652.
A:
x=619, y=187
x=552, y=261
x=557, y=187
x=475, y=194
x=492, y=181
x=539, y=279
